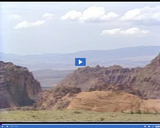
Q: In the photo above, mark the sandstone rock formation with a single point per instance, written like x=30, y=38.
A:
x=150, y=106
x=58, y=98
x=104, y=101
x=17, y=86
x=100, y=101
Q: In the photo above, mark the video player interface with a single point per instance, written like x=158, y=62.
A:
x=80, y=62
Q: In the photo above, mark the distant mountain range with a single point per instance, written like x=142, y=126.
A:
x=126, y=57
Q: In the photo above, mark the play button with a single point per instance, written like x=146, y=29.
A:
x=80, y=61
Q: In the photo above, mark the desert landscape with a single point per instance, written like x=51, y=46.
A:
x=80, y=62
x=111, y=93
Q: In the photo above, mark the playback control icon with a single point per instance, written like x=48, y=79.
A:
x=80, y=61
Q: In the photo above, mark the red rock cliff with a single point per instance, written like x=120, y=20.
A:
x=17, y=86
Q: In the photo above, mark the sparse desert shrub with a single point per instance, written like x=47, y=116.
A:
x=139, y=112
x=33, y=116
x=77, y=112
x=102, y=119
x=132, y=112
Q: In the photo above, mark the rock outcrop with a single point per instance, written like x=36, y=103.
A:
x=109, y=89
x=58, y=98
x=103, y=101
x=143, y=82
x=150, y=106
x=100, y=78
x=17, y=86
x=147, y=81
x=100, y=101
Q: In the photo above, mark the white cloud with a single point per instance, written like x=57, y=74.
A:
x=156, y=16
x=48, y=16
x=133, y=31
x=26, y=24
x=91, y=14
x=72, y=15
x=15, y=17
x=111, y=31
x=147, y=15
x=130, y=31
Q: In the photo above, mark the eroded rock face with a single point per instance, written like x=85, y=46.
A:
x=58, y=98
x=147, y=81
x=143, y=82
x=99, y=78
x=104, y=101
x=100, y=101
x=150, y=106
x=17, y=86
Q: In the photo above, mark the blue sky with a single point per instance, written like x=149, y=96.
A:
x=65, y=27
